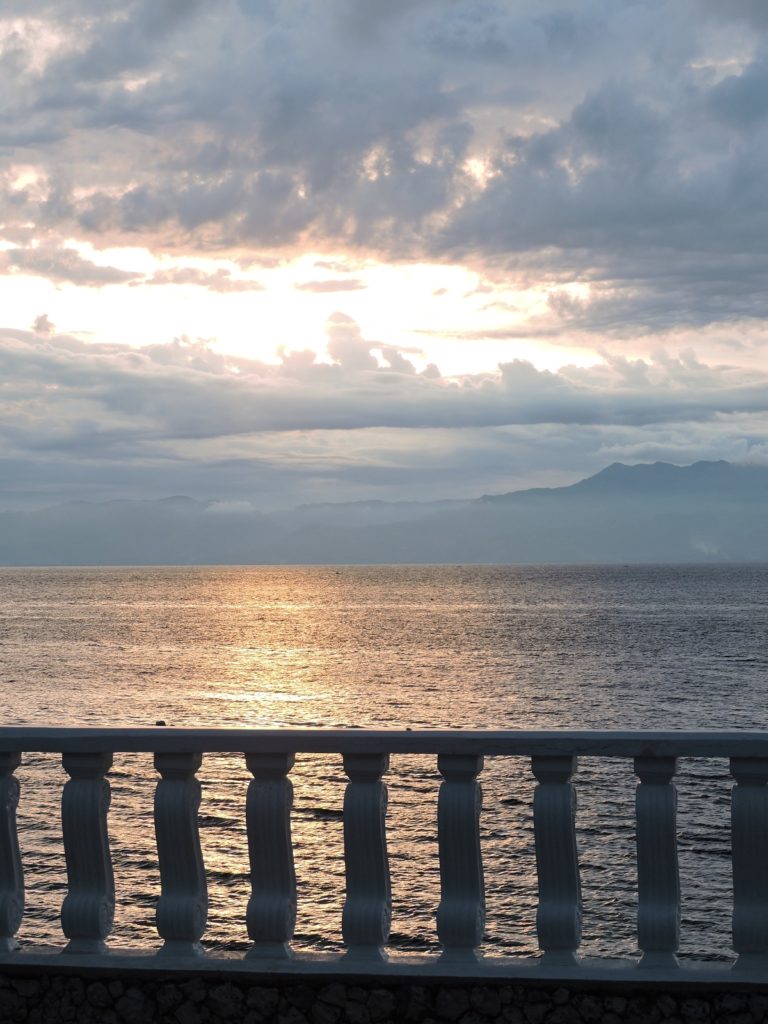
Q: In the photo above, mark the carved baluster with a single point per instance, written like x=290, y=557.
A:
x=461, y=913
x=11, y=873
x=558, y=918
x=89, y=906
x=749, y=830
x=271, y=914
x=182, y=909
x=658, y=880
x=368, y=905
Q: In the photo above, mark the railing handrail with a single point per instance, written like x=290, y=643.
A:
x=512, y=742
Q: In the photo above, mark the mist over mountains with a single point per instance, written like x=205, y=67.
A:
x=709, y=511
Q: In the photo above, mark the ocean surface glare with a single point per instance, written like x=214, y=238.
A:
x=453, y=647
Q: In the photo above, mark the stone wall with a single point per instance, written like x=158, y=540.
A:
x=47, y=998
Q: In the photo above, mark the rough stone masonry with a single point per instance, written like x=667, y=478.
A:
x=48, y=998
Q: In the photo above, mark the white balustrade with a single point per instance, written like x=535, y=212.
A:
x=368, y=905
x=182, y=910
x=271, y=913
x=461, y=913
x=88, y=908
x=11, y=873
x=658, y=881
x=749, y=831
x=558, y=919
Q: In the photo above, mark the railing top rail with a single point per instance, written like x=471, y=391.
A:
x=565, y=742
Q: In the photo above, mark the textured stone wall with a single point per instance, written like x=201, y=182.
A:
x=46, y=998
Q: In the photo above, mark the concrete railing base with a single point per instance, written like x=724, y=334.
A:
x=399, y=968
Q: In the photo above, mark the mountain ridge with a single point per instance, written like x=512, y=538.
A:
x=657, y=473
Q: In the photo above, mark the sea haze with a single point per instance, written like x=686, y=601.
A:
x=461, y=647
x=710, y=511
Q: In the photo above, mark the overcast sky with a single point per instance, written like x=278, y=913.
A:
x=281, y=251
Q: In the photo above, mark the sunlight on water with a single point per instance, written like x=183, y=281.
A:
x=451, y=647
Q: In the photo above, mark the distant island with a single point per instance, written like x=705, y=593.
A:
x=706, y=512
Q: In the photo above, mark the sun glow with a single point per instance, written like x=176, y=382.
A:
x=444, y=314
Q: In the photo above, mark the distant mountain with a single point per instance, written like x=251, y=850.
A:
x=660, y=478
x=710, y=511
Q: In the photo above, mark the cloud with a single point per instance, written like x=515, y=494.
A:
x=80, y=419
x=339, y=284
x=220, y=280
x=397, y=361
x=346, y=345
x=560, y=141
x=185, y=389
x=63, y=265
x=43, y=326
x=610, y=155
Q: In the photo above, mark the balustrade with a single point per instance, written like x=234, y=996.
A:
x=182, y=909
x=461, y=914
x=749, y=830
x=11, y=873
x=88, y=908
x=658, y=882
x=558, y=918
x=271, y=913
x=368, y=906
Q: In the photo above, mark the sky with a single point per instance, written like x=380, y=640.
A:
x=277, y=252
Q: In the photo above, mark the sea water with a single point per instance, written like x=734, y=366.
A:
x=450, y=647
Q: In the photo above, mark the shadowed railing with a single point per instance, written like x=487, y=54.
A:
x=88, y=909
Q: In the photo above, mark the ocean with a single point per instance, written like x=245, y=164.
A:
x=445, y=646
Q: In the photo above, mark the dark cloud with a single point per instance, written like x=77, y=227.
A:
x=754, y=12
x=742, y=100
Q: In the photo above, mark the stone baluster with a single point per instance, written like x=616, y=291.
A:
x=271, y=914
x=368, y=905
x=558, y=918
x=182, y=909
x=461, y=913
x=11, y=873
x=89, y=906
x=749, y=836
x=658, y=880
